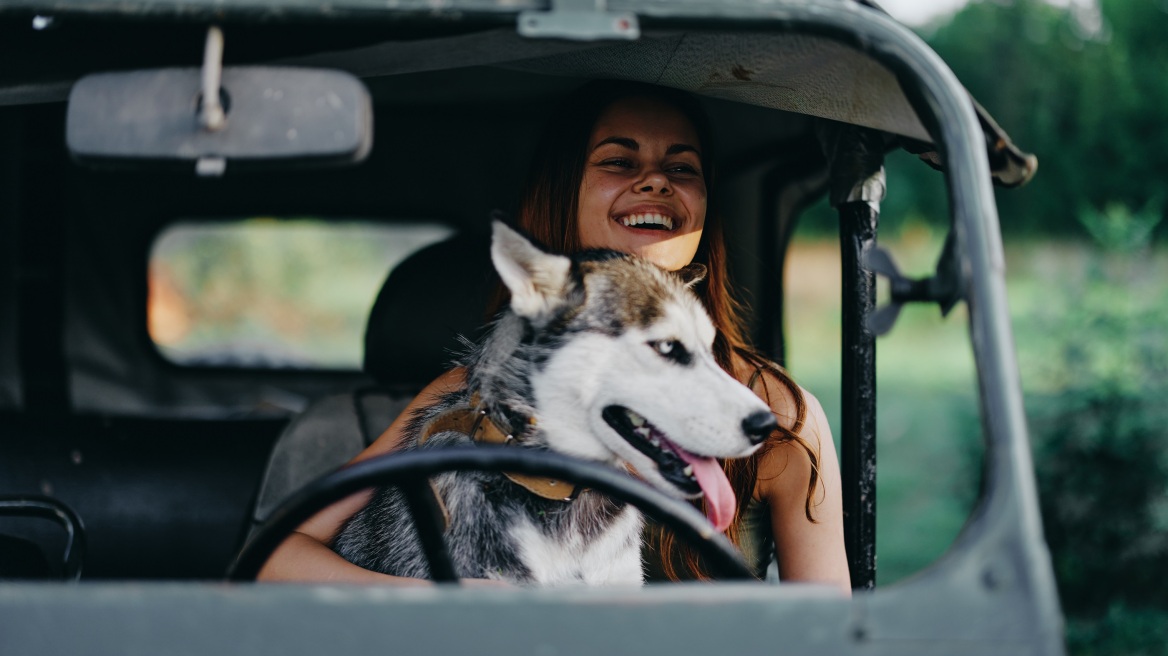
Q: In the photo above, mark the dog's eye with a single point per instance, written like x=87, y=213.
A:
x=671, y=349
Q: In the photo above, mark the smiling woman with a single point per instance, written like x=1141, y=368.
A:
x=644, y=194
x=646, y=160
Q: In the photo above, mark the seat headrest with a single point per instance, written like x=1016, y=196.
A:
x=427, y=301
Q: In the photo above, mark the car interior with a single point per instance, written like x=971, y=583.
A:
x=124, y=457
x=164, y=461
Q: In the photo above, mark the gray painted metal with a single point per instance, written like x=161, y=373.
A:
x=992, y=593
x=579, y=20
x=277, y=10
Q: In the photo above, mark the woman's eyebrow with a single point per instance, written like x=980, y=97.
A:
x=632, y=144
x=682, y=148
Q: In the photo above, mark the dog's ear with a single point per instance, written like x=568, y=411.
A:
x=691, y=274
x=537, y=280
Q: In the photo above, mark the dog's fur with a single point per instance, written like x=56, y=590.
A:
x=583, y=336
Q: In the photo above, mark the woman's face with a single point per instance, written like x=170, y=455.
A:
x=643, y=191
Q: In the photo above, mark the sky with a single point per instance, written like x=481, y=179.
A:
x=919, y=12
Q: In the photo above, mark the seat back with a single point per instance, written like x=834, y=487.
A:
x=411, y=337
x=427, y=302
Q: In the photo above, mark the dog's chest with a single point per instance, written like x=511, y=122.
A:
x=611, y=555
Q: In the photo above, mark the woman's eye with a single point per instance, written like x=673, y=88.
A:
x=619, y=162
x=684, y=169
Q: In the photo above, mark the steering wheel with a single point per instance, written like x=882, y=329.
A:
x=411, y=470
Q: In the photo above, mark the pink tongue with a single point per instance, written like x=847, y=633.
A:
x=720, y=500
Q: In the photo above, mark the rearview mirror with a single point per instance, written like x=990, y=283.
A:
x=275, y=118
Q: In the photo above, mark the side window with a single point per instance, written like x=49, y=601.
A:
x=927, y=403
x=272, y=293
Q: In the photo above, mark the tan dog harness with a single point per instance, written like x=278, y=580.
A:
x=473, y=422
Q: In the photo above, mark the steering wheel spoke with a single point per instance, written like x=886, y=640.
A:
x=430, y=523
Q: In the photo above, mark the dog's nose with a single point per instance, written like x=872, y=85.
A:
x=758, y=425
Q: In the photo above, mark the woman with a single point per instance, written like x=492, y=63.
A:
x=628, y=167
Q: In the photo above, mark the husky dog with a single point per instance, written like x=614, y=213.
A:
x=601, y=356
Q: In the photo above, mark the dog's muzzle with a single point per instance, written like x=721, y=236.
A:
x=651, y=441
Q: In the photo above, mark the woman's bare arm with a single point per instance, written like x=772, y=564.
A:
x=305, y=554
x=807, y=551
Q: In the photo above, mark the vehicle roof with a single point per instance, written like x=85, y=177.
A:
x=795, y=72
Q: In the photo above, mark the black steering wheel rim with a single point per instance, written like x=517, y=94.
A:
x=404, y=468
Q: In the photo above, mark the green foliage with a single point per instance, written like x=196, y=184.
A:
x=1122, y=631
x=1082, y=87
x=929, y=448
x=1095, y=365
x=1118, y=229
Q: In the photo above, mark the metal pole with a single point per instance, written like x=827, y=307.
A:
x=856, y=157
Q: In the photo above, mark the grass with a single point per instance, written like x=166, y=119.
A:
x=1081, y=317
x=928, y=430
x=929, y=433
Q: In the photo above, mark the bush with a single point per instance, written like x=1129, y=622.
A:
x=1122, y=630
x=1097, y=379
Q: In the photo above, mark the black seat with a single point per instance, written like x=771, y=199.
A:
x=428, y=300
x=411, y=337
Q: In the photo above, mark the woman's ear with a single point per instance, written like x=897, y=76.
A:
x=691, y=274
x=537, y=280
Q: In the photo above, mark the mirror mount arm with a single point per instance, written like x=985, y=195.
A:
x=212, y=116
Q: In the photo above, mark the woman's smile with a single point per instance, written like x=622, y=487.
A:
x=654, y=218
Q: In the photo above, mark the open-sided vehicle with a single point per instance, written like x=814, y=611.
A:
x=122, y=121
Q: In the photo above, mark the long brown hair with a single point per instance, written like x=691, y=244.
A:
x=548, y=212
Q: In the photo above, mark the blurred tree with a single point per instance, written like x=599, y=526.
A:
x=1096, y=364
x=1084, y=87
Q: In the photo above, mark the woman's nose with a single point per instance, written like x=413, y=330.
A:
x=653, y=180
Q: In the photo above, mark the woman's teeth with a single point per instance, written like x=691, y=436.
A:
x=647, y=219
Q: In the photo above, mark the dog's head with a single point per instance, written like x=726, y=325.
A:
x=623, y=371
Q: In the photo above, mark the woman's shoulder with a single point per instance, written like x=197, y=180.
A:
x=391, y=440
x=790, y=465
x=793, y=404
x=451, y=380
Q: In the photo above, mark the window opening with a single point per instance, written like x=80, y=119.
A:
x=273, y=293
